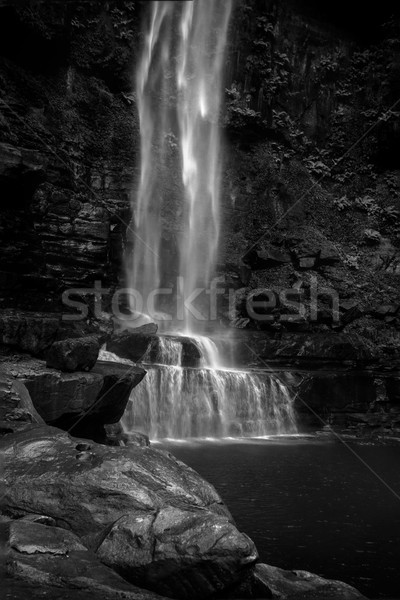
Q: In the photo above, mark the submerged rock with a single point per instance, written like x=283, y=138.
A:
x=74, y=354
x=142, y=512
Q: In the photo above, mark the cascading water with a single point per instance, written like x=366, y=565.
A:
x=178, y=402
x=179, y=97
x=179, y=90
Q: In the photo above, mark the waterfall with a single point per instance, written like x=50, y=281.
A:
x=177, y=402
x=179, y=87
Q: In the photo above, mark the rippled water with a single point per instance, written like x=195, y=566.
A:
x=312, y=505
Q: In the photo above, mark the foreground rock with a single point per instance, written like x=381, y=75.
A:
x=151, y=518
x=74, y=354
x=54, y=562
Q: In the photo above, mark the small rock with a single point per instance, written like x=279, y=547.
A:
x=74, y=354
x=307, y=262
x=385, y=310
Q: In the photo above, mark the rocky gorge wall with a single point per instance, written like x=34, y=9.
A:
x=68, y=145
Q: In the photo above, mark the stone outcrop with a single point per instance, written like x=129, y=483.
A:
x=82, y=401
x=139, y=510
x=16, y=406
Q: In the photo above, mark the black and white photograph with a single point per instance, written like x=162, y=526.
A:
x=199, y=300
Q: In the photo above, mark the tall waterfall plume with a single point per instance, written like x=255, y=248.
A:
x=183, y=59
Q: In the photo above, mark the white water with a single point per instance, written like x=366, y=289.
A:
x=179, y=86
x=177, y=402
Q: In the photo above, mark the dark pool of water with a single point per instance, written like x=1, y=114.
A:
x=312, y=505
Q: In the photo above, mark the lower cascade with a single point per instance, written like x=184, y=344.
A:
x=209, y=401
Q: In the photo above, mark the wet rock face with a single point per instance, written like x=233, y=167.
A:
x=139, y=510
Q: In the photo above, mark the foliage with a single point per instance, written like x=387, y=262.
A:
x=342, y=203
x=239, y=116
x=372, y=236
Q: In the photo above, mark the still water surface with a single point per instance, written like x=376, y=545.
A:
x=311, y=505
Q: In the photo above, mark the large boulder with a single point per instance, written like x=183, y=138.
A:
x=151, y=518
x=74, y=354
